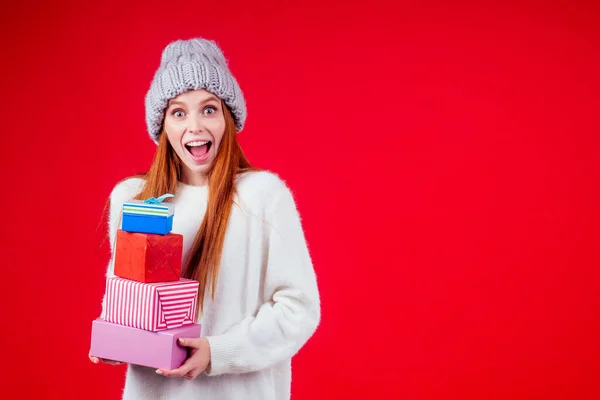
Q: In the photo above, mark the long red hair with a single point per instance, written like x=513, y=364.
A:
x=203, y=261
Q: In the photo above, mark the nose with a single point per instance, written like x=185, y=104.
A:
x=195, y=124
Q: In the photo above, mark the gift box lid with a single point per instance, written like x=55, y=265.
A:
x=153, y=207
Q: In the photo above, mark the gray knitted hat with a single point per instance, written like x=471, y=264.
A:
x=191, y=65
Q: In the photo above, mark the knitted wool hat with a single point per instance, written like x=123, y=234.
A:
x=191, y=65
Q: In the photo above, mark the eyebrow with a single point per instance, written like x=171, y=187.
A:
x=211, y=98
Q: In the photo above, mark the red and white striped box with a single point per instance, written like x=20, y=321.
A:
x=151, y=306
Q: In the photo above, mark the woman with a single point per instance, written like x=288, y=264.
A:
x=243, y=240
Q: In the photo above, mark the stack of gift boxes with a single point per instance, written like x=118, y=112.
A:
x=148, y=306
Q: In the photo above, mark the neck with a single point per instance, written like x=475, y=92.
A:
x=193, y=179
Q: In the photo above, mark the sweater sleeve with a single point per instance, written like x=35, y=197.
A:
x=284, y=323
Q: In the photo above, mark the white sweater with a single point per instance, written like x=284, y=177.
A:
x=266, y=304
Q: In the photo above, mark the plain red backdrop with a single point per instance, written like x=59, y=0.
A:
x=444, y=157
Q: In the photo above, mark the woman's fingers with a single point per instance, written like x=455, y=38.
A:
x=194, y=365
x=191, y=342
x=110, y=362
x=181, y=371
x=193, y=374
x=97, y=360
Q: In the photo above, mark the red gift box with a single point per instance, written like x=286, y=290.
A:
x=148, y=258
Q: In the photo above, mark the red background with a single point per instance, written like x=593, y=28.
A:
x=444, y=157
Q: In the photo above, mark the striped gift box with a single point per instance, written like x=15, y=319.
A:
x=151, y=306
x=138, y=207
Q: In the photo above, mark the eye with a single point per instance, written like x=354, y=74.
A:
x=178, y=113
x=210, y=110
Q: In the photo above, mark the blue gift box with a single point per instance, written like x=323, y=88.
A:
x=148, y=216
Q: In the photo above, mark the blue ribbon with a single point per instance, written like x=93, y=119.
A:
x=154, y=200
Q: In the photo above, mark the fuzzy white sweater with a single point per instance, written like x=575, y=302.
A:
x=266, y=304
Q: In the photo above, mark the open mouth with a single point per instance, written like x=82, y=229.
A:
x=199, y=149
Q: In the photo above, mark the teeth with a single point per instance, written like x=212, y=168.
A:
x=199, y=143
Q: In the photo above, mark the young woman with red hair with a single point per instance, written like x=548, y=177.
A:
x=243, y=240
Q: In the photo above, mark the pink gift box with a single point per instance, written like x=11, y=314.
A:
x=141, y=347
x=151, y=306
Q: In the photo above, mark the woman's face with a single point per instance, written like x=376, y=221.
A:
x=195, y=124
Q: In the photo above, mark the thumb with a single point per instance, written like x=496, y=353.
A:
x=191, y=342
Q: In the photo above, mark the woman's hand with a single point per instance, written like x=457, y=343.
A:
x=96, y=360
x=196, y=363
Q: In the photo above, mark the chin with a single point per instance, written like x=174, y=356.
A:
x=198, y=169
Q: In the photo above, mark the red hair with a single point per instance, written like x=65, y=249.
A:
x=203, y=261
